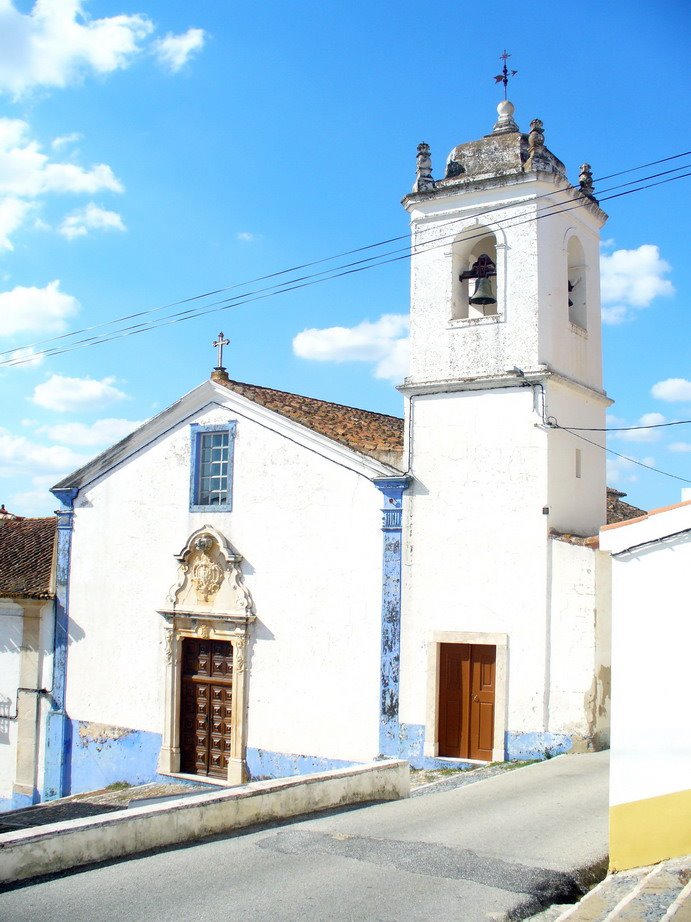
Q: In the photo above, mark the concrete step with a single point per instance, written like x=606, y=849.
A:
x=641, y=895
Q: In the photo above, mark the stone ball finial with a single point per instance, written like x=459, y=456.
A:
x=505, y=122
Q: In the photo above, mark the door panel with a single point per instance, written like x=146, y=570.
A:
x=205, y=706
x=466, y=700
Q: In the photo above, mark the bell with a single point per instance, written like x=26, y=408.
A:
x=483, y=292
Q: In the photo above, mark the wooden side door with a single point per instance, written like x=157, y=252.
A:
x=466, y=700
x=205, y=706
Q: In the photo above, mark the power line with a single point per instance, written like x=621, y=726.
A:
x=648, y=467
x=678, y=422
x=306, y=265
x=304, y=281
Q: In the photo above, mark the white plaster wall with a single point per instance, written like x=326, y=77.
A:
x=579, y=678
x=651, y=639
x=309, y=532
x=10, y=652
x=576, y=505
x=476, y=558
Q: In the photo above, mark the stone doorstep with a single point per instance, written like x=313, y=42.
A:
x=648, y=894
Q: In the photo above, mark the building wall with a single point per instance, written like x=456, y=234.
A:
x=309, y=533
x=650, y=774
x=579, y=668
x=26, y=643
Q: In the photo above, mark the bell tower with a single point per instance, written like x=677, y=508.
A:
x=499, y=623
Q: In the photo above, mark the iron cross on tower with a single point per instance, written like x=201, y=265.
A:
x=503, y=77
x=219, y=344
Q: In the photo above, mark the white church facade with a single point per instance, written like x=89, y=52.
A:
x=256, y=583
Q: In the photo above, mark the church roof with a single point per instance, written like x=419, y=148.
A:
x=362, y=430
x=26, y=558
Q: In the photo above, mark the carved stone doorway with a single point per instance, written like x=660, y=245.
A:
x=206, y=623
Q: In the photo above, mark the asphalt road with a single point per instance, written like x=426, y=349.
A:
x=512, y=843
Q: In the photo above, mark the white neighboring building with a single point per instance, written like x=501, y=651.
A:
x=650, y=766
x=236, y=604
x=27, y=589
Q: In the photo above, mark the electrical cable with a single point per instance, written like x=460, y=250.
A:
x=148, y=311
x=648, y=467
x=678, y=422
x=313, y=279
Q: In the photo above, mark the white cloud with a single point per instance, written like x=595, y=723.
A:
x=23, y=358
x=383, y=343
x=680, y=447
x=27, y=172
x=173, y=51
x=246, y=236
x=631, y=280
x=672, y=390
x=65, y=140
x=63, y=394
x=13, y=211
x=101, y=432
x=643, y=435
x=613, y=316
x=91, y=217
x=19, y=454
x=56, y=43
x=35, y=309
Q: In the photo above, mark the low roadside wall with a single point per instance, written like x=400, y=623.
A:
x=59, y=846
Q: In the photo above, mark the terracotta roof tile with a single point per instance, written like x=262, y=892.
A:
x=362, y=430
x=26, y=558
x=618, y=511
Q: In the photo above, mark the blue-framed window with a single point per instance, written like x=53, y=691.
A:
x=211, y=477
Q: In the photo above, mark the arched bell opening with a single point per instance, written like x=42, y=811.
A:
x=576, y=284
x=475, y=276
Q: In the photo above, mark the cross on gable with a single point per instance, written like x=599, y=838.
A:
x=219, y=344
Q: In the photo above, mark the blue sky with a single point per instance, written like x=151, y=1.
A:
x=151, y=152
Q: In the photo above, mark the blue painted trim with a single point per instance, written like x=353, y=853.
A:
x=263, y=763
x=17, y=802
x=196, y=430
x=112, y=754
x=389, y=684
x=56, y=771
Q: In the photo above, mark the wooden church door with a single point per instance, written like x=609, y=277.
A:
x=205, y=707
x=466, y=700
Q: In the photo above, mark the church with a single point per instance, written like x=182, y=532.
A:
x=256, y=583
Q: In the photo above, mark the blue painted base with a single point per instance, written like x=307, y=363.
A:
x=517, y=746
x=261, y=763
x=17, y=802
x=536, y=745
x=116, y=754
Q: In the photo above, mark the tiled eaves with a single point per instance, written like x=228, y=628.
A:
x=362, y=430
x=27, y=549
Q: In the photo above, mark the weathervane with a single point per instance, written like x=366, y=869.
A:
x=503, y=77
x=220, y=343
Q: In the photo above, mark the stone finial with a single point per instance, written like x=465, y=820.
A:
x=423, y=176
x=585, y=180
x=505, y=123
x=536, y=138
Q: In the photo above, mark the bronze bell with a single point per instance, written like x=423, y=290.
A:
x=483, y=292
